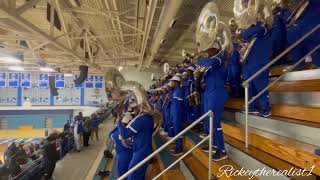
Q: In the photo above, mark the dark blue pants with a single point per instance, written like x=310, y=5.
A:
x=295, y=33
x=140, y=173
x=256, y=86
x=234, y=78
x=215, y=102
x=177, y=128
x=123, y=161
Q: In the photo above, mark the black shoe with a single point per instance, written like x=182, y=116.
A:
x=107, y=154
x=103, y=173
x=206, y=149
x=173, y=149
x=177, y=153
x=219, y=155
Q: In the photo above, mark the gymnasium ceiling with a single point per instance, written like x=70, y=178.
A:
x=100, y=33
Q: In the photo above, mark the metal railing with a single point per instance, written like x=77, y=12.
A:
x=245, y=84
x=210, y=114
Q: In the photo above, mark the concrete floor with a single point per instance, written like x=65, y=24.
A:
x=77, y=165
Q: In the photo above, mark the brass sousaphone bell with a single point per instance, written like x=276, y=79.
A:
x=246, y=14
x=210, y=30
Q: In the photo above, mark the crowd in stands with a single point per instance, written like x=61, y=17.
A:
x=37, y=160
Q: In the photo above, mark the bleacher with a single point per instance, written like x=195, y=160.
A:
x=287, y=139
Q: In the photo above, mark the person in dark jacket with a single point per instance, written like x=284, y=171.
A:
x=87, y=131
x=50, y=156
x=95, y=126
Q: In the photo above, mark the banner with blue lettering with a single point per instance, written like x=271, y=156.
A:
x=44, y=80
x=77, y=85
x=3, y=79
x=25, y=80
x=59, y=80
x=98, y=82
x=13, y=79
x=89, y=81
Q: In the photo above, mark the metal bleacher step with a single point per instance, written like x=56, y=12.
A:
x=166, y=159
x=191, y=139
x=292, y=151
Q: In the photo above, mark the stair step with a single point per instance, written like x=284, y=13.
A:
x=280, y=126
x=267, y=159
x=165, y=159
x=296, y=86
x=198, y=170
x=292, y=151
x=192, y=139
x=302, y=113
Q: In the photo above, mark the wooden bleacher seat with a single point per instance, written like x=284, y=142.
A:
x=268, y=159
x=297, y=153
x=294, y=112
x=191, y=139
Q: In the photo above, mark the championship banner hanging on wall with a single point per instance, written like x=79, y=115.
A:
x=89, y=81
x=98, y=82
x=43, y=80
x=13, y=79
x=77, y=85
x=25, y=80
x=3, y=79
x=59, y=81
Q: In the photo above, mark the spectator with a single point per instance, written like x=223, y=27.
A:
x=95, y=126
x=50, y=156
x=87, y=131
x=77, y=132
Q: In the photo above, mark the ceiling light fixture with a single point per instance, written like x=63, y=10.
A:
x=120, y=68
x=9, y=59
x=16, y=68
x=68, y=75
x=47, y=69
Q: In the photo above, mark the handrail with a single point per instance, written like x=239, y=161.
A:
x=245, y=83
x=210, y=114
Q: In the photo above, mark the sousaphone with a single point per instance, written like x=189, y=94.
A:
x=246, y=14
x=211, y=30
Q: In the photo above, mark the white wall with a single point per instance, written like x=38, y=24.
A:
x=142, y=77
x=86, y=111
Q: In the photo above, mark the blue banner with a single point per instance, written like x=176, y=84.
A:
x=59, y=80
x=25, y=80
x=44, y=80
x=98, y=82
x=3, y=79
x=13, y=79
x=89, y=81
x=77, y=85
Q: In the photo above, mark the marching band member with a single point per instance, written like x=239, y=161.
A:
x=216, y=96
x=176, y=112
x=234, y=72
x=186, y=92
x=279, y=32
x=304, y=22
x=123, y=147
x=140, y=129
x=258, y=57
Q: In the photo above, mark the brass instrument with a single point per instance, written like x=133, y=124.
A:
x=211, y=30
x=246, y=14
x=122, y=88
x=297, y=11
